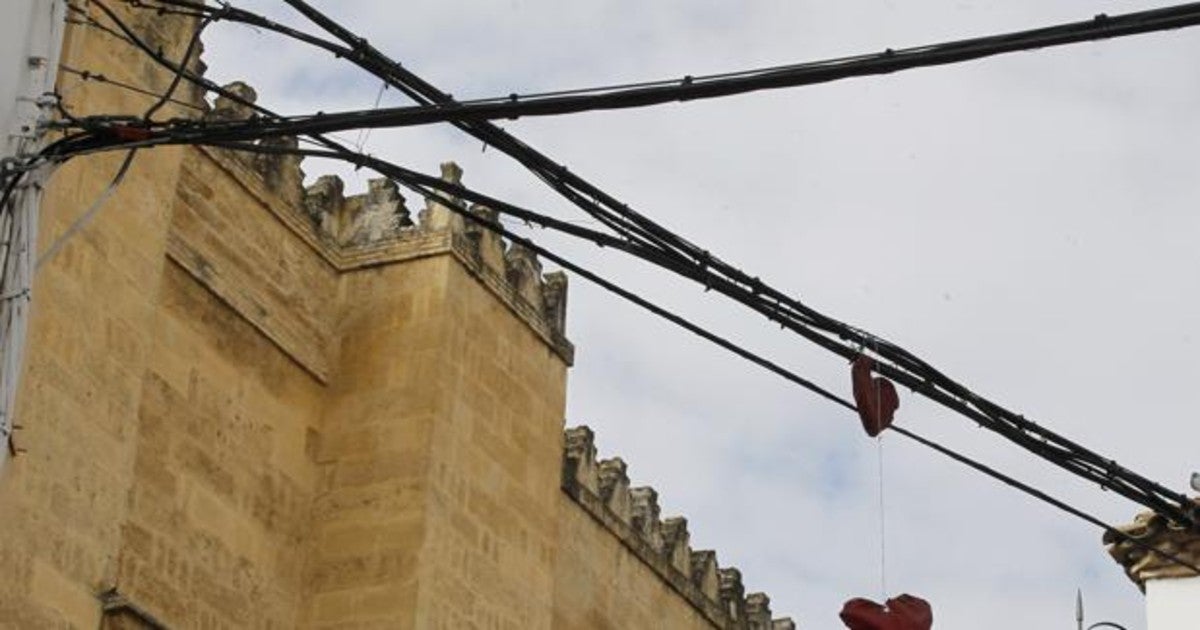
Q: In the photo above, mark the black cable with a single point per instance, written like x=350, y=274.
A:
x=645, y=93
x=664, y=248
x=1079, y=467
x=1042, y=496
x=445, y=192
x=183, y=63
x=899, y=364
x=88, y=75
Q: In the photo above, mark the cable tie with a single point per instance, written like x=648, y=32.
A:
x=133, y=134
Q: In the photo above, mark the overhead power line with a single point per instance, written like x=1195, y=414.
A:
x=677, y=254
x=445, y=193
x=719, y=85
x=434, y=188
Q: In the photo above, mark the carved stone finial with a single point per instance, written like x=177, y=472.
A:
x=281, y=171
x=704, y=573
x=489, y=247
x=436, y=216
x=379, y=215
x=323, y=201
x=645, y=519
x=732, y=592
x=524, y=273
x=580, y=461
x=452, y=173
x=676, y=544
x=226, y=108
x=1159, y=533
x=554, y=301
x=614, y=487
x=758, y=612
x=383, y=196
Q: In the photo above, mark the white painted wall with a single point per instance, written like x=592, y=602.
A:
x=1173, y=604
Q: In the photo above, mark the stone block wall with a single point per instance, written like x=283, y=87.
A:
x=252, y=404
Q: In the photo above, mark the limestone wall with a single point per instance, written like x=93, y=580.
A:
x=251, y=404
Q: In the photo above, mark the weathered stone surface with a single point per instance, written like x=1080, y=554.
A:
x=758, y=611
x=290, y=407
x=732, y=592
x=676, y=544
x=614, y=488
x=632, y=516
x=226, y=108
x=1156, y=532
x=645, y=519
x=280, y=171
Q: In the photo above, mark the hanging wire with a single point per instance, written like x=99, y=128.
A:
x=433, y=187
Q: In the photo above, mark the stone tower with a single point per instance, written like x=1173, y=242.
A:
x=252, y=404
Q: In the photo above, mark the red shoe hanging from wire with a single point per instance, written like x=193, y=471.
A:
x=875, y=397
x=900, y=613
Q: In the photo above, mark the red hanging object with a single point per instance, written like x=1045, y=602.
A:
x=876, y=397
x=904, y=612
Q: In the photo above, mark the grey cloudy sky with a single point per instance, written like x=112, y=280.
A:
x=1026, y=223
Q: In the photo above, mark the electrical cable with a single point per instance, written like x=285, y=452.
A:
x=445, y=193
x=337, y=155
x=909, y=370
x=86, y=218
x=690, y=88
x=87, y=75
x=183, y=63
x=900, y=365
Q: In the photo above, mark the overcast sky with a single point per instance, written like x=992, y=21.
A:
x=1026, y=223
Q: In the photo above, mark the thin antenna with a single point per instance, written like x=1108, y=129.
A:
x=1079, y=609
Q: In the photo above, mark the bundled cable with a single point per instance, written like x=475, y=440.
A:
x=639, y=236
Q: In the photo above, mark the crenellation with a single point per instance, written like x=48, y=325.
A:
x=732, y=592
x=634, y=515
x=758, y=612
x=676, y=544
x=436, y=216
x=226, y=108
x=323, y=201
x=645, y=519
x=579, y=464
x=524, y=273
x=365, y=226
x=281, y=172
x=704, y=573
x=383, y=214
x=614, y=488
x=554, y=301
x=784, y=623
x=488, y=246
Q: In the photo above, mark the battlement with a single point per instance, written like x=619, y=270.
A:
x=601, y=487
x=377, y=227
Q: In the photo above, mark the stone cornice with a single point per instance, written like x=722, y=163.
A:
x=353, y=233
x=1156, y=532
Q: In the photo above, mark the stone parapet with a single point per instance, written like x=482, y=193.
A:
x=601, y=488
x=376, y=228
x=1155, y=532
